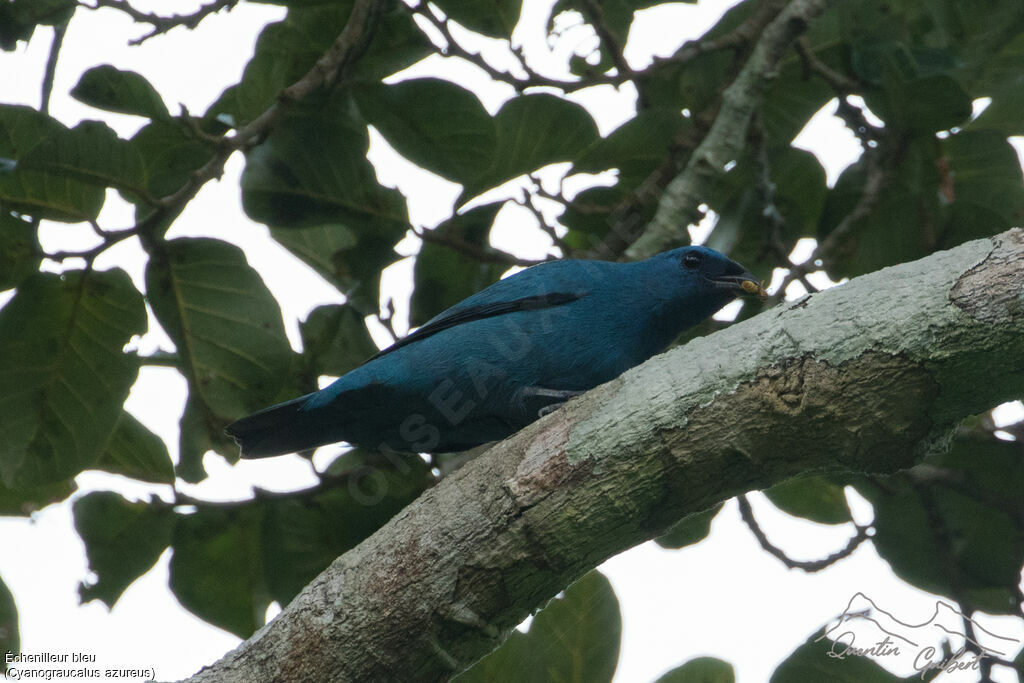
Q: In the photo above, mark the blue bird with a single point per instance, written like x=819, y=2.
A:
x=496, y=361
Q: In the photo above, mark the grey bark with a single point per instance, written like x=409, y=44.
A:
x=868, y=376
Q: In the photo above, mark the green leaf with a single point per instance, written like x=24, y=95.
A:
x=170, y=157
x=977, y=530
x=223, y=320
x=90, y=152
x=636, y=147
x=123, y=541
x=812, y=497
x=792, y=98
x=126, y=92
x=215, y=569
x=442, y=276
x=336, y=340
x=810, y=662
x=592, y=213
x=689, y=530
x=201, y=432
x=445, y=129
x=700, y=670
x=303, y=534
x=495, y=18
x=922, y=105
x=136, y=452
x=901, y=227
x=977, y=170
x=696, y=84
x=800, y=193
x=287, y=50
x=64, y=376
x=433, y=123
x=398, y=44
x=19, y=250
x=228, y=330
x=533, y=131
x=350, y=259
x=19, y=18
x=9, y=640
x=312, y=170
x=22, y=128
x=45, y=195
x=1002, y=79
x=575, y=638
x=986, y=174
x=23, y=501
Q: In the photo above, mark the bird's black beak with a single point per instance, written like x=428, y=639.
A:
x=740, y=285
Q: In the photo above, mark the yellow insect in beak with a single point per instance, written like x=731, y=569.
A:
x=751, y=287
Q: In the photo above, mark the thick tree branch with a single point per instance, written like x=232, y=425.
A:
x=869, y=376
x=679, y=204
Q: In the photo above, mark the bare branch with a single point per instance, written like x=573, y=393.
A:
x=809, y=566
x=475, y=252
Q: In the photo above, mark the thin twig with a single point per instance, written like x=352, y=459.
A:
x=533, y=79
x=163, y=24
x=690, y=51
x=51, y=66
x=476, y=252
x=388, y=320
x=772, y=241
x=808, y=566
x=109, y=240
x=529, y=202
x=595, y=15
x=812, y=64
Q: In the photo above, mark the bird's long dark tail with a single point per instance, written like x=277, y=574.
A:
x=280, y=429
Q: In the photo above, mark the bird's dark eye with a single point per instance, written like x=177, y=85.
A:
x=691, y=260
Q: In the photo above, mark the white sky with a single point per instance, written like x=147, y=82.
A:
x=724, y=597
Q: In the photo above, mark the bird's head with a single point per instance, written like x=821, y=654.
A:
x=714, y=271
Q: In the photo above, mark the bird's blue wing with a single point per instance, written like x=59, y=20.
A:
x=542, y=286
x=460, y=314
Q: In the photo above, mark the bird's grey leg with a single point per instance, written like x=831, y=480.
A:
x=560, y=396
